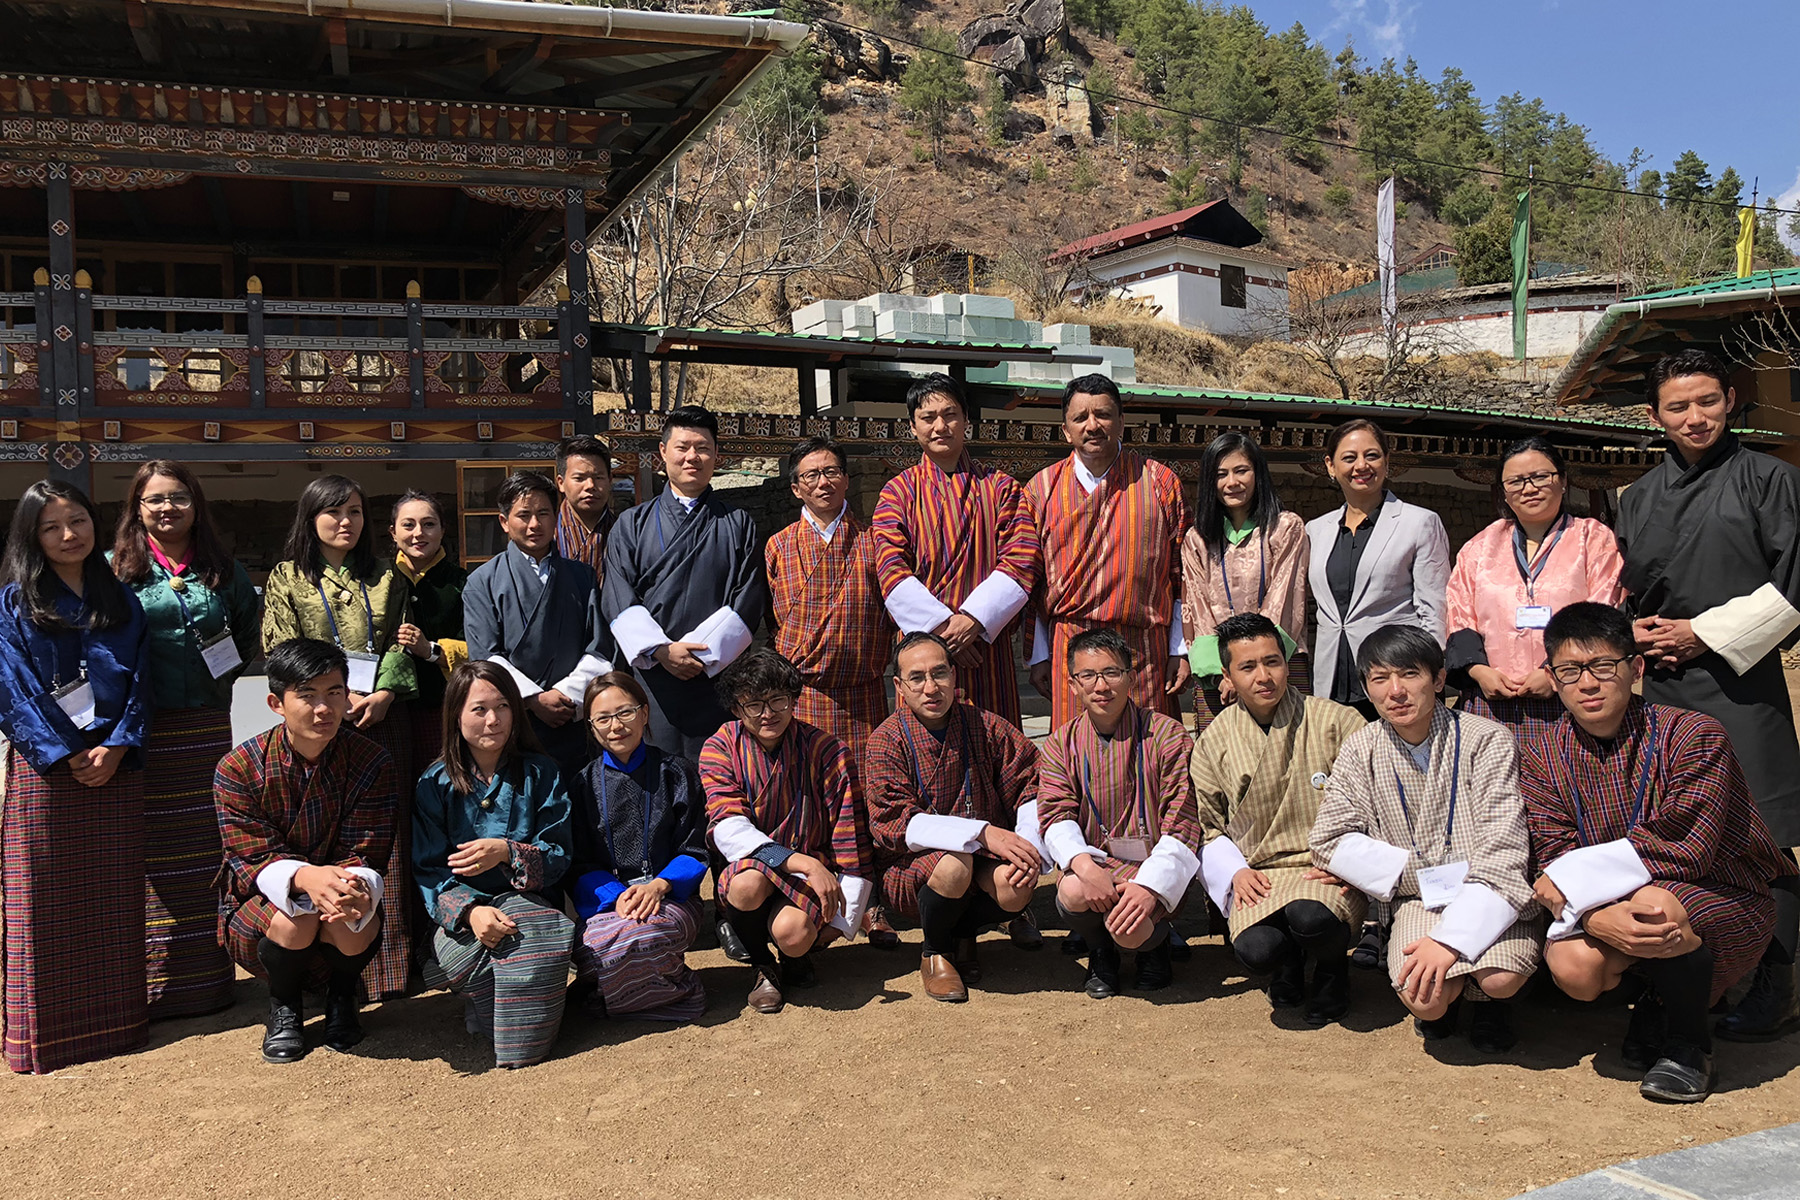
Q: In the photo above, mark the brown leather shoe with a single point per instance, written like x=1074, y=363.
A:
x=968, y=965
x=941, y=979
x=881, y=935
x=766, y=997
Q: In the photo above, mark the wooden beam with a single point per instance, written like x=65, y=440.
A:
x=339, y=36
x=144, y=31
x=522, y=62
x=616, y=85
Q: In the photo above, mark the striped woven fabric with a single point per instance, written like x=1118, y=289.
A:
x=952, y=532
x=187, y=971
x=403, y=909
x=72, y=869
x=1109, y=786
x=575, y=541
x=1526, y=716
x=519, y=986
x=641, y=967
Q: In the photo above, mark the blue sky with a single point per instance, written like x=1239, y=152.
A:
x=1636, y=74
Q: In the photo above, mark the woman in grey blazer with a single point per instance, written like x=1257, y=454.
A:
x=1375, y=561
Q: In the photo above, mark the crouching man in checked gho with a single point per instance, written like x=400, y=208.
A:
x=1655, y=858
x=1422, y=811
x=306, y=812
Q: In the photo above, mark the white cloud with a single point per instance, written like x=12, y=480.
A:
x=1790, y=198
x=1382, y=25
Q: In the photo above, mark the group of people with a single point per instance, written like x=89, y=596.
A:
x=490, y=780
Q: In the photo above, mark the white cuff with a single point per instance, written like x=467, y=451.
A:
x=857, y=892
x=1220, y=861
x=1744, y=630
x=638, y=635
x=725, y=636
x=574, y=685
x=931, y=831
x=528, y=687
x=276, y=881
x=377, y=889
x=1025, y=824
x=1474, y=920
x=914, y=608
x=1590, y=877
x=736, y=838
x=995, y=601
x=1368, y=865
x=1168, y=870
x=1040, y=642
x=1178, y=646
x=1065, y=841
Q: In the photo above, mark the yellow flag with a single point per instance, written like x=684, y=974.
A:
x=1746, y=241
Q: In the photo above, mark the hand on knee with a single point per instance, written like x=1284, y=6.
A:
x=1430, y=1012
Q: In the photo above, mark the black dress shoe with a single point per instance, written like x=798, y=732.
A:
x=1490, y=1027
x=1287, y=986
x=1103, y=970
x=967, y=958
x=1328, y=995
x=1024, y=933
x=1684, y=1075
x=1439, y=1028
x=343, y=1023
x=1370, y=948
x=1179, y=950
x=1154, y=972
x=1769, y=1010
x=284, y=1041
x=798, y=972
x=732, y=944
x=1074, y=945
x=1644, y=1037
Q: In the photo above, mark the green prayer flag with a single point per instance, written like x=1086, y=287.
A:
x=1521, y=263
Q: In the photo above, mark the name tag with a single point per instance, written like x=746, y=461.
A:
x=1438, y=886
x=1532, y=616
x=1128, y=849
x=362, y=671
x=220, y=654
x=77, y=702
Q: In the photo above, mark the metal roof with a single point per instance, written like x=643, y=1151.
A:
x=1214, y=221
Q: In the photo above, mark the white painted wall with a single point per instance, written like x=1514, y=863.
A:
x=1191, y=300
x=1554, y=334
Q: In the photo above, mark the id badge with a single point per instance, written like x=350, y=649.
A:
x=1438, y=886
x=220, y=654
x=1128, y=849
x=642, y=881
x=362, y=671
x=1532, y=616
x=77, y=702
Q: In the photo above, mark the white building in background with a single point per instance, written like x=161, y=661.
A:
x=1561, y=309
x=1196, y=267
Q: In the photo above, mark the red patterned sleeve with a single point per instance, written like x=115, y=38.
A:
x=1017, y=530
x=251, y=842
x=1056, y=798
x=1681, y=835
x=366, y=836
x=1018, y=764
x=1175, y=511
x=724, y=786
x=889, y=789
x=1171, y=748
x=1547, y=814
x=888, y=527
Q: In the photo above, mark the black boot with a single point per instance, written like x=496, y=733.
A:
x=1439, y=1028
x=1153, y=970
x=1103, y=968
x=1371, y=948
x=1769, y=1010
x=1328, y=995
x=1287, y=986
x=1490, y=1027
x=284, y=1039
x=343, y=1004
x=1644, y=1037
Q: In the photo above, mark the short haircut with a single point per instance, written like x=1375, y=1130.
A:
x=582, y=445
x=1101, y=641
x=1685, y=362
x=1399, y=648
x=520, y=484
x=691, y=416
x=298, y=660
x=935, y=384
x=1356, y=425
x=759, y=672
x=808, y=447
x=1590, y=624
x=1244, y=627
x=1091, y=384
x=919, y=637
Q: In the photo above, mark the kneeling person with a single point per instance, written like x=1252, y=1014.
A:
x=946, y=782
x=1656, y=859
x=306, y=812
x=1422, y=810
x=1259, y=772
x=1118, y=816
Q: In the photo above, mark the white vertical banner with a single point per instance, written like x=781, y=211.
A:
x=1384, y=252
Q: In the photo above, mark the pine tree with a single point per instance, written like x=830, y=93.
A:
x=934, y=86
x=995, y=109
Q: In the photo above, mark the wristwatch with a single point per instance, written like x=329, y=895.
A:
x=434, y=652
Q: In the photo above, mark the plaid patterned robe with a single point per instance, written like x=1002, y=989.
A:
x=340, y=812
x=805, y=797
x=575, y=541
x=1112, y=558
x=984, y=769
x=1489, y=832
x=1255, y=787
x=951, y=532
x=830, y=623
x=1700, y=836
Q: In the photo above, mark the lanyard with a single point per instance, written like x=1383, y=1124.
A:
x=1136, y=776
x=912, y=753
x=1530, y=571
x=606, y=824
x=56, y=682
x=1262, y=557
x=187, y=618
x=1640, y=790
x=368, y=608
x=1455, y=777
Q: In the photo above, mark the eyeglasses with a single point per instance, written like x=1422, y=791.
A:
x=938, y=675
x=1604, y=670
x=1538, y=480
x=172, y=500
x=821, y=475
x=1087, y=678
x=617, y=717
x=773, y=707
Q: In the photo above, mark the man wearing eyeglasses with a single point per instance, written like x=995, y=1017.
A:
x=1118, y=816
x=1655, y=861
x=949, y=785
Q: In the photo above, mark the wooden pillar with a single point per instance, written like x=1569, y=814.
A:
x=640, y=381
x=68, y=459
x=581, y=341
x=255, y=338
x=809, y=388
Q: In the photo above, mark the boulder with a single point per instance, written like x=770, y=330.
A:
x=1021, y=124
x=985, y=31
x=846, y=54
x=1014, y=58
x=1045, y=22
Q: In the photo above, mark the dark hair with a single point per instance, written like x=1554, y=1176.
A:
x=1209, y=510
x=1092, y=384
x=1590, y=624
x=583, y=445
x=625, y=681
x=1527, y=445
x=520, y=484
x=298, y=660
x=1244, y=627
x=459, y=762
x=25, y=564
x=935, y=384
x=1685, y=362
x=1101, y=641
x=807, y=448
x=1356, y=425
x=415, y=496
x=302, y=549
x=691, y=416
x=1399, y=647
x=207, y=558
x=758, y=672
x=919, y=637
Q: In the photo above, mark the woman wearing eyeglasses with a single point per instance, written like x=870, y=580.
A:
x=1508, y=581
x=640, y=853
x=205, y=625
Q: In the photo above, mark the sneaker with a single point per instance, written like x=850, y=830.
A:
x=284, y=1039
x=1370, y=949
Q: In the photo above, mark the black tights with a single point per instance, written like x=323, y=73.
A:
x=945, y=919
x=1302, y=926
x=752, y=927
x=288, y=969
x=1684, y=985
